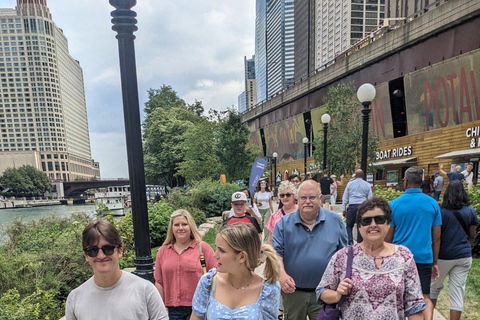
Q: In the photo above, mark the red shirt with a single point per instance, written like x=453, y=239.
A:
x=179, y=273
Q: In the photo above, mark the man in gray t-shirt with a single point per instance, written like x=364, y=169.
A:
x=111, y=294
x=437, y=186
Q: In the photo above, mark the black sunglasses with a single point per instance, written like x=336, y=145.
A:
x=368, y=220
x=288, y=195
x=107, y=250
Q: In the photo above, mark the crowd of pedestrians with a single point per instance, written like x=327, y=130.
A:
x=396, y=269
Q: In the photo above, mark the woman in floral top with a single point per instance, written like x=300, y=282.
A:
x=384, y=282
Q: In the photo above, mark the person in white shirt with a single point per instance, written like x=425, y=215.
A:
x=468, y=174
x=111, y=294
x=263, y=200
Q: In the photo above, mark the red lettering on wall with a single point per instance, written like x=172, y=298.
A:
x=378, y=119
x=450, y=79
x=465, y=105
x=428, y=101
x=441, y=81
x=475, y=94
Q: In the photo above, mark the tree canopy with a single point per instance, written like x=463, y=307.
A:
x=182, y=145
x=344, y=140
x=25, y=181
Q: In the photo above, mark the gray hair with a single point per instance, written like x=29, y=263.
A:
x=414, y=175
x=287, y=185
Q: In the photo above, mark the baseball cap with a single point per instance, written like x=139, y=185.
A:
x=333, y=176
x=436, y=172
x=239, y=196
x=470, y=163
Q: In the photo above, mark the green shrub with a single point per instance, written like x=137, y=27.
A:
x=474, y=197
x=219, y=199
x=388, y=194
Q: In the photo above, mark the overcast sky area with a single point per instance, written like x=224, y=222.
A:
x=195, y=46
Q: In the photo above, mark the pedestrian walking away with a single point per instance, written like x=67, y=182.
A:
x=419, y=232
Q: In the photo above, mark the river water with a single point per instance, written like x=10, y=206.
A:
x=36, y=213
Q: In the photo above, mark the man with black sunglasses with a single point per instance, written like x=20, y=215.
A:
x=111, y=293
x=416, y=224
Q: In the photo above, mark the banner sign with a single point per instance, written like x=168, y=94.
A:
x=257, y=171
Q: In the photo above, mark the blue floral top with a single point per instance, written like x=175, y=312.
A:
x=205, y=306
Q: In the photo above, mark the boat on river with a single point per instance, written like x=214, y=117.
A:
x=117, y=199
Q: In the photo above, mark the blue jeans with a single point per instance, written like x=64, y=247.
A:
x=179, y=313
x=436, y=195
x=351, y=218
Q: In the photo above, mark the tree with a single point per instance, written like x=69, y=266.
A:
x=25, y=181
x=344, y=132
x=164, y=98
x=235, y=157
x=198, y=147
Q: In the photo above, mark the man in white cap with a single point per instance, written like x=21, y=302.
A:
x=468, y=174
x=239, y=205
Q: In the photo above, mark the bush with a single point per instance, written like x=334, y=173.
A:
x=474, y=197
x=388, y=194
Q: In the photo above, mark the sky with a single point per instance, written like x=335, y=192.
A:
x=195, y=46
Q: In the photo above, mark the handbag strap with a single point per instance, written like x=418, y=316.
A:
x=349, y=272
x=462, y=222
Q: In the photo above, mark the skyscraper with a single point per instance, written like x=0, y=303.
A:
x=342, y=23
x=304, y=46
x=43, y=117
x=248, y=98
x=261, y=49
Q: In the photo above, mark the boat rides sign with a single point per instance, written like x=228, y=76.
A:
x=394, y=153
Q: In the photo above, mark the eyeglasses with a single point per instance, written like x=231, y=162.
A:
x=282, y=195
x=107, y=250
x=311, y=198
x=378, y=220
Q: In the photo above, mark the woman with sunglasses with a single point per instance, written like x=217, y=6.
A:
x=287, y=193
x=234, y=290
x=384, y=282
x=459, y=222
x=179, y=265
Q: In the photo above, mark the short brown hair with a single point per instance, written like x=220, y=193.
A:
x=370, y=204
x=91, y=234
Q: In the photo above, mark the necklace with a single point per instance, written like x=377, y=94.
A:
x=241, y=287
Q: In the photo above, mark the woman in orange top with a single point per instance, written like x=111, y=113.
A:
x=178, y=265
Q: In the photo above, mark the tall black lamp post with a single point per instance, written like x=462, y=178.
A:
x=325, y=120
x=124, y=24
x=275, y=155
x=366, y=93
x=305, y=148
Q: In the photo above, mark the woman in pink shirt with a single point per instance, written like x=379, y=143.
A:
x=178, y=266
x=287, y=193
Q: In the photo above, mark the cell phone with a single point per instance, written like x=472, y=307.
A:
x=249, y=202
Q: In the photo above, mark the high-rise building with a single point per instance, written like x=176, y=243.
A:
x=304, y=30
x=261, y=50
x=280, y=45
x=248, y=98
x=342, y=23
x=43, y=116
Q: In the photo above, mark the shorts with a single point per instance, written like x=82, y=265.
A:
x=326, y=198
x=425, y=274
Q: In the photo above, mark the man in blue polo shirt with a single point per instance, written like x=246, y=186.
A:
x=305, y=240
x=416, y=224
x=454, y=175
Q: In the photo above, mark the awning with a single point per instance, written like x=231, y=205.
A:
x=390, y=162
x=460, y=153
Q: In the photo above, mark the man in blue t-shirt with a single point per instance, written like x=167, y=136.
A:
x=416, y=224
x=455, y=175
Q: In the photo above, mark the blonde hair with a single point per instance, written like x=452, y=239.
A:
x=287, y=185
x=244, y=237
x=194, y=234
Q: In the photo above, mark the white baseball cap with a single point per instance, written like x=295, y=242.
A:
x=239, y=196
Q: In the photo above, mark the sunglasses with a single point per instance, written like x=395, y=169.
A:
x=107, y=250
x=282, y=195
x=368, y=220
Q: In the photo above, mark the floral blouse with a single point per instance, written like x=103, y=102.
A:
x=205, y=306
x=391, y=291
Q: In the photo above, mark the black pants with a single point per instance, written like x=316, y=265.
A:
x=351, y=218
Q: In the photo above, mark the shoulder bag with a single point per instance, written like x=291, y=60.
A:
x=462, y=222
x=329, y=311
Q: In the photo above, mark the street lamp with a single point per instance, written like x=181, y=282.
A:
x=325, y=120
x=124, y=24
x=275, y=155
x=366, y=93
x=305, y=146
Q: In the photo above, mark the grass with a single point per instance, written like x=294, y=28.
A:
x=209, y=237
x=471, y=306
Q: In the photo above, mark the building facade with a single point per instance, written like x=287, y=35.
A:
x=261, y=50
x=304, y=34
x=342, y=23
x=43, y=117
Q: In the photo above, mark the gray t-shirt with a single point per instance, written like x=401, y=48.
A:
x=130, y=298
x=438, y=183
